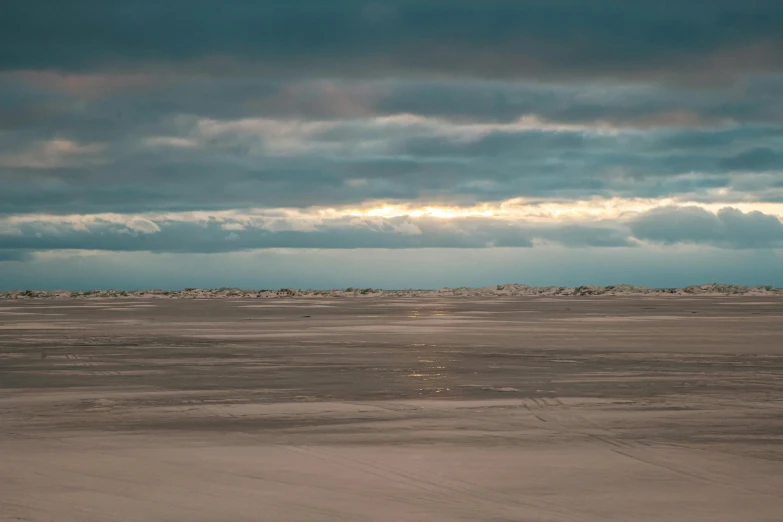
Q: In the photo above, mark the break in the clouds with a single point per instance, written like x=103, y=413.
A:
x=209, y=127
x=187, y=233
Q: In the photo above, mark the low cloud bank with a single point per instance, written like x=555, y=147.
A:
x=727, y=228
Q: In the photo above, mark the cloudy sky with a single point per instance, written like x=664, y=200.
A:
x=398, y=143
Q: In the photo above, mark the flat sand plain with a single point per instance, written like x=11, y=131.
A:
x=418, y=409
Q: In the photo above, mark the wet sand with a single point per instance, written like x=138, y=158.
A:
x=417, y=409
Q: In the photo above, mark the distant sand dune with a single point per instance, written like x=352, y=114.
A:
x=487, y=291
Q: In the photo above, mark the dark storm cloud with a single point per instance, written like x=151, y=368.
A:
x=728, y=228
x=561, y=38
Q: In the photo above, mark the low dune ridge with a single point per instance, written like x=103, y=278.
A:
x=487, y=291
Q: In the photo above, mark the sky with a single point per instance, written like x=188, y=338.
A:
x=395, y=144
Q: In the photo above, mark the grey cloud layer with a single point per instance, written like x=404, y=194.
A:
x=556, y=38
x=729, y=228
x=14, y=255
x=99, y=106
x=228, y=236
x=155, y=106
x=197, y=163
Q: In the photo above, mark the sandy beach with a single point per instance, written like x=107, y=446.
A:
x=502, y=408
